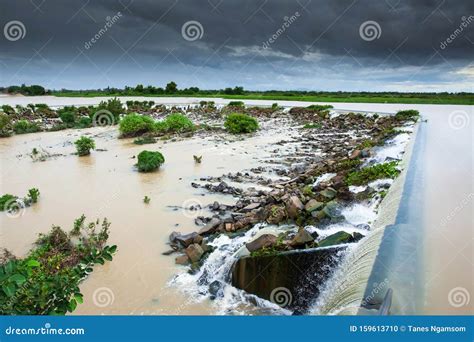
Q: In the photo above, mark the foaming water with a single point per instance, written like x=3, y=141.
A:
x=344, y=292
x=216, y=271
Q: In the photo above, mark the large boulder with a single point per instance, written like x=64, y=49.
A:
x=276, y=214
x=328, y=193
x=294, y=206
x=210, y=227
x=333, y=211
x=265, y=240
x=336, y=239
x=250, y=207
x=182, y=260
x=313, y=205
x=194, y=252
x=186, y=239
x=301, y=238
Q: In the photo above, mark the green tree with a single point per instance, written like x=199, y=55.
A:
x=171, y=88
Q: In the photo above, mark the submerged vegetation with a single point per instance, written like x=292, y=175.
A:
x=371, y=173
x=24, y=126
x=410, y=114
x=10, y=202
x=240, y=123
x=46, y=281
x=149, y=161
x=84, y=145
x=144, y=140
x=133, y=125
x=175, y=123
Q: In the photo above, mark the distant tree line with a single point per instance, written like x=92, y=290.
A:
x=31, y=90
x=172, y=89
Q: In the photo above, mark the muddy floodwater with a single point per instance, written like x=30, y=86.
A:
x=106, y=184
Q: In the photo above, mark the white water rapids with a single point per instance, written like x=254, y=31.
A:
x=359, y=217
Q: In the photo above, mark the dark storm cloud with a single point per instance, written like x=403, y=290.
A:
x=323, y=37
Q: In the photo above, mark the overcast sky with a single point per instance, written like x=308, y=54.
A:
x=351, y=45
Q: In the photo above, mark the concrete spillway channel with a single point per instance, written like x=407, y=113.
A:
x=378, y=275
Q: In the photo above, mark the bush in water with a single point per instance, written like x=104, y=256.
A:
x=240, y=123
x=23, y=126
x=84, y=146
x=175, y=123
x=134, y=124
x=149, y=161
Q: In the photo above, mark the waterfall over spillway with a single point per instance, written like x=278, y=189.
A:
x=383, y=259
x=344, y=292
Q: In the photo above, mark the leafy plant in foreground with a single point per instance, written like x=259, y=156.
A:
x=46, y=281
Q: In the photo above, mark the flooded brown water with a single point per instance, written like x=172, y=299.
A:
x=106, y=185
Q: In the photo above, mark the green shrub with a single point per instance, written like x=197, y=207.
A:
x=33, y=194
x=149, y=161
x=371, y=173
x=240, y=104
x=313, y=125
x=84, y=122
x=5, y=125
x=69, y=118
x=114, y=106
x=58, y=127
x=133, y=125
x=319, y=108
x=46, y=281
x=84, y=145
x=7, y=109
x=178, y=123
x=144, y=140
x=405, y=115
x=5, y=200
x=23, y=126
x=240, y=123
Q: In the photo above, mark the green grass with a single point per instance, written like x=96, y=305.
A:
x=461, y=99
